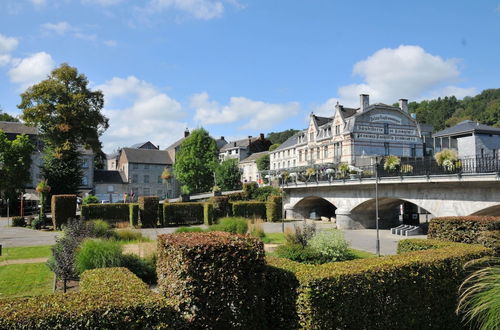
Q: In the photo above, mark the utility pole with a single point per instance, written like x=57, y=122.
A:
x=377, y=246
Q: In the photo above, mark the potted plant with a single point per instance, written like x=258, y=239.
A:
x=448, y=159
x=185, y=193
x=343, y=169
x=285, y=176
x=391, y=163
x=166, y=175
x=406, y=169
x=216, y=190
x=353, y=174
x=310, y=172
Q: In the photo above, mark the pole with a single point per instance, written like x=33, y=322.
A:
x=8, y=211
x=377, y=246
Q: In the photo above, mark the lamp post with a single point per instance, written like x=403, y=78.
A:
x=377, y=244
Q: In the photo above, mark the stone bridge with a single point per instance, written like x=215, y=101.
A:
x=352, y=202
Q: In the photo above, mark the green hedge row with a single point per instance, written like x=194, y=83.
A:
x=148, y=211
x=63, y=208
x=183, y=213
x=109, y=298
x=411, y=245
x=249, y=209
x=414, y=290
x=134, y=214
x=115, y=212
x=274, y=209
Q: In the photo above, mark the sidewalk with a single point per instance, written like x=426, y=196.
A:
x=19, y=236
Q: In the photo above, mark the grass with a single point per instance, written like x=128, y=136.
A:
x=26, y=252
x=359, y=254
x=274, y=238
x=25, y=280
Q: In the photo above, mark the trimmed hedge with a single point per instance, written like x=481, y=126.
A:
x=414, y=290
x=411, y=245
x=208, y=214
x=109, y=298
x=190, y=213
x=133, y=214
x=115, y=212
x=215, y=278
x=274, y=210
x=222, y=208
x=160, y=213
x=148, y=211
x=249, y=209
x=470, y=229
x=63, y=208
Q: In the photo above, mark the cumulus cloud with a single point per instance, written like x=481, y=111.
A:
x=326, y=109
x=404, y=72
x=103, y=2
x=255, y=114
x=32, y=69
x=59, y=28
x=39, y=3
x=138, y=111
x=7, y=44
x=110, y=43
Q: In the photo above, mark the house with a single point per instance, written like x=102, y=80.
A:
x=470, y=139
x=241, y=149
x=248, y=167
x=111, y=186
x=354, y=136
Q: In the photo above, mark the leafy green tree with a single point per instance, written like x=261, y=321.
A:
x=280, y=137
x=263, y=163
x=274, y=147
x=6, y=117
x=15, y=164
x=68, y=116
x=228, y=175
x=90, y=199
x=196, y=162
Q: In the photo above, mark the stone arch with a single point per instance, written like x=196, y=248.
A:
x=314, y=207
x=489, y=211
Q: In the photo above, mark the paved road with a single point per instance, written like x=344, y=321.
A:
x=18, y=236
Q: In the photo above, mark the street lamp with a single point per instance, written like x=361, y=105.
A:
x=377, y=245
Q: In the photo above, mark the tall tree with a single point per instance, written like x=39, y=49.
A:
x=68, y=116
x=196, y=161
x=6, y=117
x=228, y=175
x=263, y=163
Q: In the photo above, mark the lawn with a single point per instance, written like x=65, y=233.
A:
x=26, y=252
x=25, y=280
x=274, y=238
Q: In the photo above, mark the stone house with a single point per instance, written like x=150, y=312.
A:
x=248, y=167
x=241, y=149
x=110, y=186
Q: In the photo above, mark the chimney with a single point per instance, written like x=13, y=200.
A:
x=403, y=105
x=222, y=138
x=262, y=136
x=249, y=139
x=234, y=144
x=364, y=101
x=186, y=133
x=158, y=147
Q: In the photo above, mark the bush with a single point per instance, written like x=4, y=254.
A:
x=101, y=229
x=299, y=253
x=111, y=298
x=236, y=197
x=134, y=215
x=214, y=278
x=63, y=208
x=376, y=293
x=148, y=211
x=189, y=230
x=249, y=209
x=221, y=206
x=116, y=212
x=231, y=225
x=160, y=213
x=208, y=214
x=183, y=213
x=468, y=229
x=331, y=245
x=301, y=234
x=18, y=222
x=90, y=199
x=145, y=269
x=256, y=229
x=38, y=222
x=97, y=253
x=274, y=209
x=411, y=245
x=129, y=235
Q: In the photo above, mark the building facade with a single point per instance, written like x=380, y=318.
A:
x=248, y=167
x=241, y=149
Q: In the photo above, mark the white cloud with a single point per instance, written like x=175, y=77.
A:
x=256, y=114
x=7, y=44
x=110, y=43
x=4, y=59
x=138, y=111
x=201, y=9
x=103, y=2
x=404, y=72
x=39, y=3
x=59, y=28
x=32, y=69
x=326, y=109
x=458, y=92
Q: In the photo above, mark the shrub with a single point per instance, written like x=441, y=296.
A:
x=490, y=239
x=375, y=293
x=18, y=222
x=331, y=245
x=256, y=229
x=301, y=234
x=129, y=235
x=189, y=230
x=97, y=253
x=38, y=222
x=90, y=199
x=231, y=225
x=236, y=197
x=63, y=208
x=134, y=215
x=111, y=298
x=160, y=213
x=208, y=214
x=468, y=229
x=249, y=209
x=299, y=253
x=391, y=163
x=214, y=278
x=274, y=209
x=148, y=211
x=221, y=206
x=183, y=213
x=411, y=245
x=101, y=229
x=115, y=212
x=145, y=269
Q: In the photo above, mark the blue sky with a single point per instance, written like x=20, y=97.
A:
x=241, y=67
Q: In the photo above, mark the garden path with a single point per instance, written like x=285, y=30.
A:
x=23, y=261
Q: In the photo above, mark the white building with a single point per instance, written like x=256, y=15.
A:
x=248, y=167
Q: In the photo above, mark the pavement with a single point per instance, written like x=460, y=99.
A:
x=19, y=236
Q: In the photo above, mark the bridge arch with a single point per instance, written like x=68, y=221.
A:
x=489, y=211
x=314, y=207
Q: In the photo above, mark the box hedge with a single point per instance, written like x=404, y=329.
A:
x=414, y=290
x=208, y=214
x=189, y=213
x=468, y=229
x=411, y=245
x=63, y=208
x=274, y=210
x=134, y=214
x=109, y=298
x=215, y=278
x=221, y=205
x=115, y=212
x=249, y=209
x=148, y=211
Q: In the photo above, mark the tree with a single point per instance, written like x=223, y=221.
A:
x=263, y=163
x=6, y=117
x=274, y=147
x=280, y=137
x=196, y=161
x=68, y=116
x=15, y=164
x=228, y=175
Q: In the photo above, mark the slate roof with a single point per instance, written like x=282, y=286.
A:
x=142, y=144
x=253, y=157
x=103, y=176
x=220, y=143
x=243, y=143
x=17, y=128
x=147, y=156
x=290, y=142
x=320, y=121
x=348, y=112
x=467, y=127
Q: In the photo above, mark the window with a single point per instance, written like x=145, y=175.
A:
x=111, y=188
x=288, y=164
x=386, y=128
x=305, y=155
x=311, y=136
x=160, y=179
x=300, y=155
x=135, y=166
x=160, y=193
x=325, y=152
x=318, y=153
x=146, y=166
x=387, y=149
x=294, y=163
x=413, y=151
x=337, y=129
x=482, y=152
x=146, y=192
x=135, y=178
x=288, y=152
x=85, y=163
x=236, y=151
x=85, y=181
x=146, y=179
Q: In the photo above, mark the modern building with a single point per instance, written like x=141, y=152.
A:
x=470, y=139
x=354, y=136
x=248, y=167
x=241, y=149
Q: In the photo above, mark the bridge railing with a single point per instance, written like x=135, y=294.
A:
x=408, y=167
